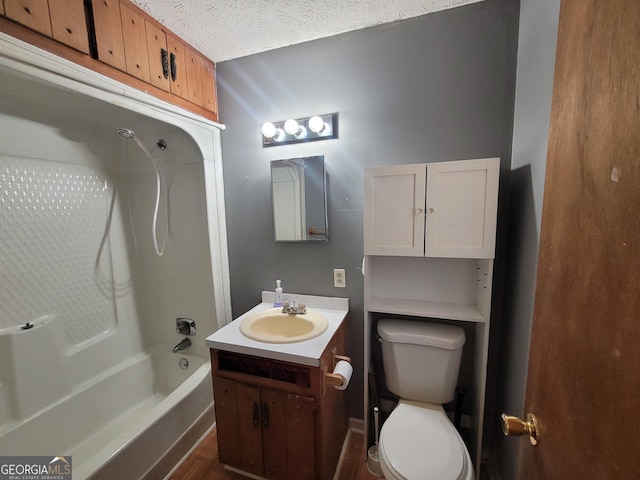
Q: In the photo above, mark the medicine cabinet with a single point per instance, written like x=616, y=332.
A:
x=298, y=192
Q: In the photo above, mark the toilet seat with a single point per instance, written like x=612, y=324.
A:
x=419, y=442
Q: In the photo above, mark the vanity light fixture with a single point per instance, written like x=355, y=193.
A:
x=318, y=127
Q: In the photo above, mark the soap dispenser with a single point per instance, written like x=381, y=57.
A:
x=277, y=301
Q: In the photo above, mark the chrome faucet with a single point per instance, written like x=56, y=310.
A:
x=182, y=345
x=294, y=308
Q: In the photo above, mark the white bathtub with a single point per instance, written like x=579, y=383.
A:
x=94, y=376
x=134, y=421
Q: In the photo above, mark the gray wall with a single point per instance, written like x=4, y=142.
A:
x=434, y=88
x=536, y=59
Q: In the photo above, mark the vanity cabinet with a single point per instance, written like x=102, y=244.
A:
x=429, y=241
x=264, y=431
x=118, y=39
x=278, y=419
x=62, y=20
x=444, y=209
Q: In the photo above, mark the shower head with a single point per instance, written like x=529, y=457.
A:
x=126, y=133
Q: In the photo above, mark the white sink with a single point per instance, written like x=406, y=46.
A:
x=273, y=326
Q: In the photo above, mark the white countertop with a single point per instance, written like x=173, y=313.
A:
x=229, y=337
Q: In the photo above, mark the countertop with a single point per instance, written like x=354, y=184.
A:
x=230, y=339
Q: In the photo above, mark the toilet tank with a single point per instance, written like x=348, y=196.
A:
x=421, y=359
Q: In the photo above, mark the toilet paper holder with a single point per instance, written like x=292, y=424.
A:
x=334, y=379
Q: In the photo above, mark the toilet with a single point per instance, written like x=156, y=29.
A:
x=421, y=364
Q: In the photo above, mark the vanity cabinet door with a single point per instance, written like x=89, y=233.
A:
x=394, y=210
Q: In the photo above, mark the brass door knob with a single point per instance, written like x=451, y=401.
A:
x=513, y=426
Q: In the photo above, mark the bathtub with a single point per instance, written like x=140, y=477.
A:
x=88, y=309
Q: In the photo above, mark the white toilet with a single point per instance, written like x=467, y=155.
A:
x=421, y=364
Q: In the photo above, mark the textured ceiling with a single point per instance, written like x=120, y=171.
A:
x=226, y=29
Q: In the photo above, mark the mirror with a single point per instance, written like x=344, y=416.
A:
x=298, y=193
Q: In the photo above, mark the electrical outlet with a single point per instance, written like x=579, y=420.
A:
x=339, y=278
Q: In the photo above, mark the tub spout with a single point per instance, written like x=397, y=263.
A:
x=184, y=344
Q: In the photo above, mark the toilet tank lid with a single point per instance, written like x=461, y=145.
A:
x=449, y=337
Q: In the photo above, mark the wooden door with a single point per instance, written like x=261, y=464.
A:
x=158, y=57
x=461, y=208
x=301, y=437
x=274, y=433
x=194, y=76
x=209, y=97
x=584, y=378
x=135, y=44
x=394, y=210
x=225, y=393
x=108, y=27
x=32, y=13
x=178, y=67
x=69, y=23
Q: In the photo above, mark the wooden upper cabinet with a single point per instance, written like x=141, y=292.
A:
x=126, y=38
x=194, y=76
x=31, y=13
x=178, y=67
x=158, y=57
x=109, y=40
x=209, y=97
x=69, y=23
x=135, y=44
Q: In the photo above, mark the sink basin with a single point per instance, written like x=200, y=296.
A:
x=273, y=326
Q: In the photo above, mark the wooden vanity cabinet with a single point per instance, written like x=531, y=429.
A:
x=276, y=419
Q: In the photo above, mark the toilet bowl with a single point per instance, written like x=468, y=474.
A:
x=419, y=442
x=421, y=364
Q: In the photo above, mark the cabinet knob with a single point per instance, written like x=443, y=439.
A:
x=430, y=210
x=419, y=211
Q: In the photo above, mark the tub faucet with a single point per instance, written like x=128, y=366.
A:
x=182, y=345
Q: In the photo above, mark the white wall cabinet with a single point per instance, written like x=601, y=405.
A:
x=429, y=243
x=444, y=209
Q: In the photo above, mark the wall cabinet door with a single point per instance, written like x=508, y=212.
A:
x=32, y=13
x=394, y=210
x=264, y=431
x=444, y=209
x=69, y=23
x=158, y=57
x=135, y=44
x=461, y=208
x=62, y=20
x=108, y=26
x=209, y=97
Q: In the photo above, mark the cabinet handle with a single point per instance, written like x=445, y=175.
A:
x=419, y=211
x=165, y=62
x=265, y=414
x=256, y=414
x=174, y=67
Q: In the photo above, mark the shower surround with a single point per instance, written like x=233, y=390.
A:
x=88, y=307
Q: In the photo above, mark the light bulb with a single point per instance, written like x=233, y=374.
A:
x=301, y=133
x=291, y=126
x=316, y=124
x=268, y=130
x=279, y=135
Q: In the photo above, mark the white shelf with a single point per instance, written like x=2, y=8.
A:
x=426, y=308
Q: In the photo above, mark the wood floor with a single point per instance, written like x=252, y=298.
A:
x=203, y=462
